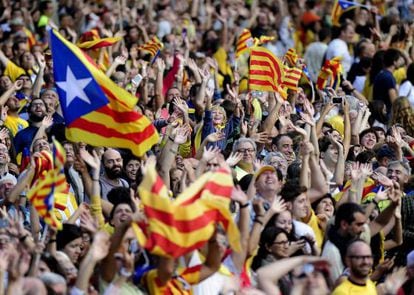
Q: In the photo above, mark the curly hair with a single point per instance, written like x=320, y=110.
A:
x=402, y=113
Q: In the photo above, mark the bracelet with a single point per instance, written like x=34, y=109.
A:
x=244, y=205
x=124, y=273
x=94, y=179
x=51, y=241
x=170, y=138
x=258, y=221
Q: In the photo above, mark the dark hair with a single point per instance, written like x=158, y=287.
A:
x=376, y=107
x=119, y=195
x=276, y=139
x=365, y=157
x=268, y=236
x=346, y=213
x=291, y=190
x=366, y=131
x=68, y=233
x=377, y=65
x=325, y=196
x=391, y=56
x=324, y=144
x=293, y=170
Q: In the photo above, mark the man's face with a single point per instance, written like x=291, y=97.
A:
x=5, y=188
x=285, y=146
x=267, y=181
x=5, y=82
x=112, y=163
x=37, y=110
x=359, y=260
x=248, y=152
x=397, y=173
x=357, y=226
x=70, y=153
x=349, y=34
x=300, y=206
x=4, y=154
x=331, y=154
x=173, y=93
x=13, y=103
x=121, y=214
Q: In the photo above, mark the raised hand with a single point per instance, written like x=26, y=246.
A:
x=239, y=196
x=148, y=164
x=47, y=121
x=261, y=137
x=88, y=223
x=92, y=160
x=18, y=84
x=234, y=159
x=182, y=134
x=181, y=105
x=216, y=136
x=278, y=205
x=100, y=245
x=210, y=153
x=3, y=113
x=257, y=164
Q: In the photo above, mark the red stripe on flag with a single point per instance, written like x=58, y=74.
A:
x=120, y=117
x=104, y=131
x=183, y=226
x=158, y=185
x=275, y=63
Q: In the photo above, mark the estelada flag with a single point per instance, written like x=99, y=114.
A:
x=95, y=109
x=266, y=71
x=244, y=42
x=339, y=8
x=152, y=46
x=176, y=227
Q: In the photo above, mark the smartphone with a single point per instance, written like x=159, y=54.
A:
x=337, y=99
x=136, y=80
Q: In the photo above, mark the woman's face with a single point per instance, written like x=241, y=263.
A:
x=325, y=207
x=369, y=140
x=5, y=82
x=279, y=163
x=284, y=221
x=131, y=169
x=248, y=152
x=280, y=246
x=380, y=135
x=74, y=250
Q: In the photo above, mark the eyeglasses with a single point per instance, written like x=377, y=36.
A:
x=250, y=151
x=362, y=257
x=282, y=243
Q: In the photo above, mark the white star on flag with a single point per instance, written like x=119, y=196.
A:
x=74, y=87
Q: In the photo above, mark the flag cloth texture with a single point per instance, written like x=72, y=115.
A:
x=95, y=109
x=292, y=77
x=266, y=71
x=339, y=8
x=42, y=193
x=330, y=74
x=152, y=46
x=244, y=42
x=291, y=57
x=176, y=227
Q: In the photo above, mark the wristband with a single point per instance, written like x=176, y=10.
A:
x=244, y=205
x=170, y=138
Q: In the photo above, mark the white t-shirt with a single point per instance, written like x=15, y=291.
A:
x=407, y=89
x=302, y=229
x=338, y=47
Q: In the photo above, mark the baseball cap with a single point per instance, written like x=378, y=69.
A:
x=264, y=169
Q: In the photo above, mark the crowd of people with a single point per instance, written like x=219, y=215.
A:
x=323, y=190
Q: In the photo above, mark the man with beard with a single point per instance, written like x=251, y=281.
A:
x=24, y=138
x=359, y=261
x=112, y=162
x=13, y=120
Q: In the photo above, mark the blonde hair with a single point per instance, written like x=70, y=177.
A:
x=221, y=110
x=402, y=113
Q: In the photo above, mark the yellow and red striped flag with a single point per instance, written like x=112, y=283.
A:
x=152, y=46
x=291, y=57
x=291, y=78
x=42, y=193
x=95, y=109
x=263, y=40
x=176, y=227
x=330, y=74
x=244, y=42
x=266, y=71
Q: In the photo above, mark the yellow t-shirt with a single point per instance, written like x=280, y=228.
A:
x=15, y=124
x=348, y=288
x=13, y=71
x=314, y=224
